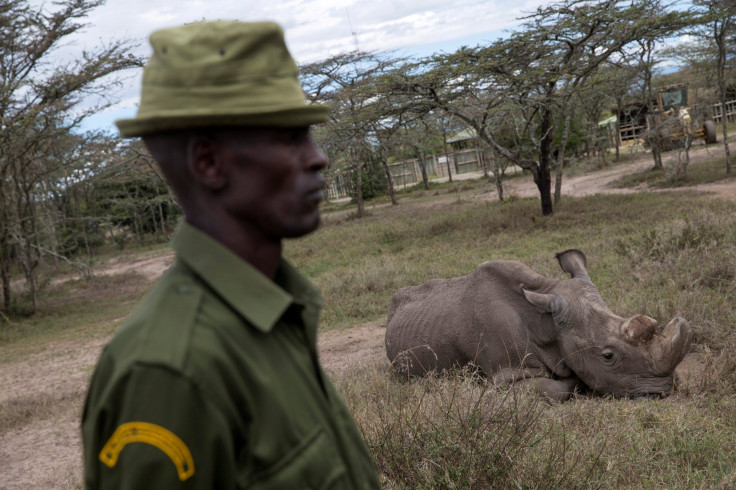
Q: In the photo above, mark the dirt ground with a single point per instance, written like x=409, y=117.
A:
x=47, y=452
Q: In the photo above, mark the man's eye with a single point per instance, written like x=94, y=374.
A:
x=297, y=135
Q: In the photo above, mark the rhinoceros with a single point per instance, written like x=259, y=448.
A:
x=518, y=326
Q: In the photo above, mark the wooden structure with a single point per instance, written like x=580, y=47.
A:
x=717, y=112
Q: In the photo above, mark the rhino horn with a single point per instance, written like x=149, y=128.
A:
x=638, y=329
x=672, y=346
x=573, y=262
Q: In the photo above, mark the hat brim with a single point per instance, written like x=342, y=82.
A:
x=299, y=117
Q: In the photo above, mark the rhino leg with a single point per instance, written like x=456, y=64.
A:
x=507, y=376
x=556, y=390
x=535, y=379
x=417, y=361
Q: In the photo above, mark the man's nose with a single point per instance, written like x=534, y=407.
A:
x=316, y=158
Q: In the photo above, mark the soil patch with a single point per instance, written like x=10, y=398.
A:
x=344, y=350
x=46, y=389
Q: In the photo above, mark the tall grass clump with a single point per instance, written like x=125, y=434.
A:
x=457, y=430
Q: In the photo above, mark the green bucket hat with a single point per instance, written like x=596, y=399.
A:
x=222, y=73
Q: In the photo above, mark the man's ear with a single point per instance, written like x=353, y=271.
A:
x=206, y=164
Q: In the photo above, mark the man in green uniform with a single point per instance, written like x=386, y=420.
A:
x=214, y=381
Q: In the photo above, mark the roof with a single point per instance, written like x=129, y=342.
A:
x=464, y=135
x=607, y=122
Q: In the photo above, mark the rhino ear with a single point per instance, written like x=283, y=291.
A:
x=573, y=262
x=549, y=303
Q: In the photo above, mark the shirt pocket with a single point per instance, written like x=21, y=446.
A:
x=312, y=464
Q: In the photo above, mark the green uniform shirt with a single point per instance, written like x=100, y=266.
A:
x=213, y=382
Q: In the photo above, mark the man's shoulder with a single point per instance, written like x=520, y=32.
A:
x=159, y=330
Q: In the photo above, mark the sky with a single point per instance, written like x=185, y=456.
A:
x=315, y=29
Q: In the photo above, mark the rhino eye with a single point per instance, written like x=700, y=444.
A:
x=607, y=355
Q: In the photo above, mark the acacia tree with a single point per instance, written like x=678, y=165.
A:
x=41, y=101
x=419, y=134
x=697, y=56
x=344, y=83
x=400, y=121
x=717, y=19
x=526, y=82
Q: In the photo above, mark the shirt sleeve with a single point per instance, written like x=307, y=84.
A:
x=153, y=428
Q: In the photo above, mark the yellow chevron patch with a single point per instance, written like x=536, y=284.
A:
x=156, y=436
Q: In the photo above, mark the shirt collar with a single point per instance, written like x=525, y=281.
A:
x=254, y=296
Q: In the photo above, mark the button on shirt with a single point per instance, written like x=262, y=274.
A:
x=214, y=382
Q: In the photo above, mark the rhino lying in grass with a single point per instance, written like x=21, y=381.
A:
x=518, y=326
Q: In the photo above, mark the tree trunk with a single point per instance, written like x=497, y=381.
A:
x=359, y=184
x=163, y=221
x=617, y=136
x=422, y=166
x=561, y=154
x=724, y=125
x=4, y=250
x=655, y=141
x=498, y=169
x=656, y=154
x=5, y=268
x=721, y=72
x=544, y=178
x=447, y=158
x=389, y=179
x=497, y=177
x=481, y=159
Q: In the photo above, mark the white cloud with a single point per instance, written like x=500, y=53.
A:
x=315, y=29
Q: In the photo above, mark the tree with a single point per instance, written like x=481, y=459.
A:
x=579, y=37
x=697, y=57
x=41, y=102
x=130, y=194
x=717, y=20
x=419, y=134
x=343, y=82
x=525, y=83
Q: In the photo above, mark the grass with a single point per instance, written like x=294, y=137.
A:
x=663, y=254
x=697, y=173
x=359, y=264
x=75, y=309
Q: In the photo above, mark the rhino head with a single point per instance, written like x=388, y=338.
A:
x=610, y=354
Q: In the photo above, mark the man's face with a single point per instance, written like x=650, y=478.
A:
x=274, y=181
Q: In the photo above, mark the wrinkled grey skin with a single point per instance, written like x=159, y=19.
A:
x=518, y=326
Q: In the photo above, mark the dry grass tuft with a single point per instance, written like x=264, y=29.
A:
x=459, y=431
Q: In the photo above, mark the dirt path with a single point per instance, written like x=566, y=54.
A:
x=49, y=386
x=599, y=182
x=360, y=345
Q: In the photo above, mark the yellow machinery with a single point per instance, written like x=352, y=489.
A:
x=669, y=122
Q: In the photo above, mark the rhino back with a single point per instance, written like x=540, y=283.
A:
x=481, y=317
x=426, y=320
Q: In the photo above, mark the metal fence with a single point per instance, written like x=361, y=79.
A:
x=730, y=111
x=465, y=161
x=408, y=172
x=339, y=184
